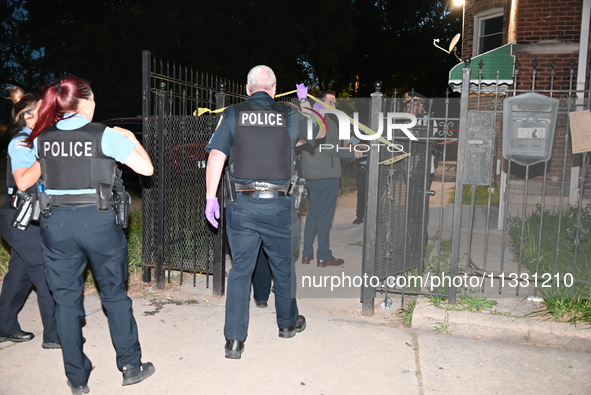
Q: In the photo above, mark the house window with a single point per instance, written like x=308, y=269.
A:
x=488, y=28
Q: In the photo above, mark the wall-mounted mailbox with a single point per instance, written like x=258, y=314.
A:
x=529, y=123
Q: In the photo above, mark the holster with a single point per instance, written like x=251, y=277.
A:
x=121, y=207
x=121, y=201
x=105, y=195
x=230, y=186
x=298, y=193
x=25, y=207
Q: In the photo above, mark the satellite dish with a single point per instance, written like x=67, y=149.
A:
x=454, y=41
x=452, y=46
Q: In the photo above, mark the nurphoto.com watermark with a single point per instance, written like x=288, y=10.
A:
x=433, y=282
x=334, y=282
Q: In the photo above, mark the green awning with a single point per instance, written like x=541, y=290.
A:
x=497, y=70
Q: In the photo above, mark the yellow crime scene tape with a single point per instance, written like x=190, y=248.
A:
x=201, y=111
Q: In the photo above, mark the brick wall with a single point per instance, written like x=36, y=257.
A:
x=527, y=21
x=548, y=20
x=562, y=70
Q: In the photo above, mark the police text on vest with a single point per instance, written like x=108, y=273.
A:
x=67, y=149
x=261, y=118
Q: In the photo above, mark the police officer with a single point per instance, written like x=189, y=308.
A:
x=258, y=136
x=321, y=167
x=25, y=268
x=78, y=164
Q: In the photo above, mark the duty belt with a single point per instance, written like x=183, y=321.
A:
x=65, y=200
x=263, y=194
x=261, y=186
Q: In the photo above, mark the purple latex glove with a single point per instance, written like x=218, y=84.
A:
x=318, y=107
x=212, y=211
x=302, y=91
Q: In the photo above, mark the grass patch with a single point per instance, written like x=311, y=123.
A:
x=134, y=246
x=406, y=313
x=537, y=238
x=442, y=327
x=4, y=258
x=134, y=242
x=437, y=255
x=463, y=303
x=575, y=311
x=481, y=195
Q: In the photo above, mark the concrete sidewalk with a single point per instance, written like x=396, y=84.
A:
x=340, y=352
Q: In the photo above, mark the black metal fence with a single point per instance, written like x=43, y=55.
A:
x=527, y=234
x=405, y=234
x=176, y=235
x=396, y=230
x=188, y=89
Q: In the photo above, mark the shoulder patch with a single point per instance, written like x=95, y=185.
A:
x=23, y=144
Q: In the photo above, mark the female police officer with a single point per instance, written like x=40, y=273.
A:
x=77, y=163
x=26, y=257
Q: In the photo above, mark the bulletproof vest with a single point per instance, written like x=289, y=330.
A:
x=261, y=147
x=10, y=182
x=73, y=159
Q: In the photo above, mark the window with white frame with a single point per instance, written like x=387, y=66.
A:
x=488, y=30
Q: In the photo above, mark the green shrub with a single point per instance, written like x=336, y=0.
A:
x=4, y=258
x=134, y=245
x=481, y=195
x=546, y=244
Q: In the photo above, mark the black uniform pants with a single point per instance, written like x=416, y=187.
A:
x=25, y=270
x=361, y=183
x=261, y=278
x=73, y=236
x=323, y=203
x=252, y=222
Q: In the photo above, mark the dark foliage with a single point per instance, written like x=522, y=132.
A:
x=328, y=44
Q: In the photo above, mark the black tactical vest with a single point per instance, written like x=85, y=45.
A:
x=10, y=182
x=73, y=159
x=261, y=147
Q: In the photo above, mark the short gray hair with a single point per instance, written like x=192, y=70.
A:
x=260, y=77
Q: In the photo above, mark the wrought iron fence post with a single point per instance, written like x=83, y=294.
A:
x=219, y=238
x=457, y=213
x=146, y=71
x=161, y=170
x=146, y=98
x=368, y=292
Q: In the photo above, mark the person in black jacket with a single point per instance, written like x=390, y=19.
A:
x=321, y=167
x=25, y=268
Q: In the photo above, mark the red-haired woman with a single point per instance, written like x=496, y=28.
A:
x=25, y=268
x=78, y=163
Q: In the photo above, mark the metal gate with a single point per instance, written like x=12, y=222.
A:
x=176, y=235
x=506, y=229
